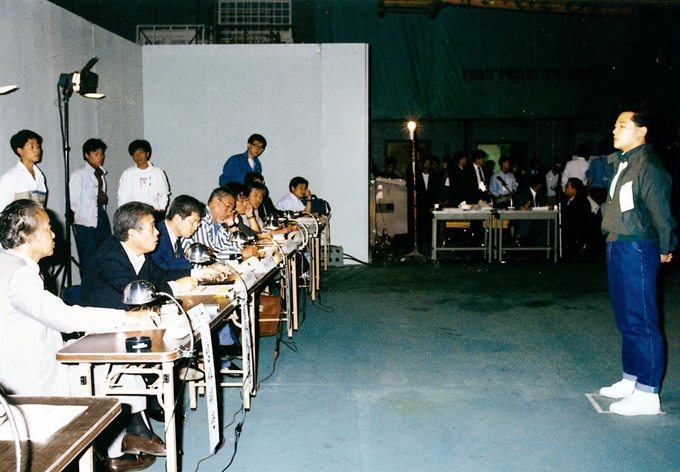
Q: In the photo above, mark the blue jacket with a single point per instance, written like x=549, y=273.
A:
x=110, y=271
x=164, y=255
x=236, y=168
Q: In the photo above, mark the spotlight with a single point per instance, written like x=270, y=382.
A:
x=83, y=83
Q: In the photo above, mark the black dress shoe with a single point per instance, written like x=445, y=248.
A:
x=232, y=350
x=137, y=445
x=129, y=462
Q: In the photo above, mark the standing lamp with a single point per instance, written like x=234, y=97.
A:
x=83, y=83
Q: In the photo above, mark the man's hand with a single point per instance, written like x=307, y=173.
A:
x=186, y=284
x=248, y=252
x=142, y=319
x=666, y=257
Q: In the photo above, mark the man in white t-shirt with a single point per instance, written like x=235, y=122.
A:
x=292, y=201
x=143, y=182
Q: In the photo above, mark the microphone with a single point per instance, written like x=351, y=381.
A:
x=500, y=179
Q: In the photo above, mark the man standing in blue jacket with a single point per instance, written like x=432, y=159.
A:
x=238, y=165
x=640, y=235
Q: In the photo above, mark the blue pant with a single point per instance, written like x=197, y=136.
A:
x=632, y=267
x=88, y=239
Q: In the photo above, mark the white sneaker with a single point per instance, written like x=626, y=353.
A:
x=622, y=389
x=639, y=403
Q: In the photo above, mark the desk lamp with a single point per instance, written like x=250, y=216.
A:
x=141, y=292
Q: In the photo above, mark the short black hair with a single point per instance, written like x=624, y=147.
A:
x=20, y=139
x=458, y=155
x=92, y=145
x=219, y=192
x=535, y=180
x=252, y=177
x=257, y=186
x=502, y=159
x=139, y=144
x=295, y=181
x=576, y=184
x=478, y=154
x=129, y=216
x=18, y=222
x=235, y=189
x=641, y=118
x=184, y=206
x=257, y=137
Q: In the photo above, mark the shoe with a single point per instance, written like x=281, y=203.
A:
x=129, y=462
x=621, y=389
x=191, y=374
x=232, y=350
x=639, y=403
x=137, y=444
x=231, y=369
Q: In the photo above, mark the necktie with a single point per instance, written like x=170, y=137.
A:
x=481, y=175
x=178, y=248
x=102, y=198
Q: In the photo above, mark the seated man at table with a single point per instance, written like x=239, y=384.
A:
x=245, y=213
x=32, y=320
x=503, y=184
x=292, y=201
x=267, y=207
x=181, y=222
x=532, y=233
x=126, y=257
x=576, y=218
x=219, y=221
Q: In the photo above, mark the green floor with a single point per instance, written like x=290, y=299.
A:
x=457, y=366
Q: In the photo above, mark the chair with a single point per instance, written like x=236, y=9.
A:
x=71, y=295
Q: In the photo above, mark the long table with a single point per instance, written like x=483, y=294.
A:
x=109, y=348
x=494, y=221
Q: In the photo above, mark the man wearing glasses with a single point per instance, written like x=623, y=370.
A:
x=237, y=166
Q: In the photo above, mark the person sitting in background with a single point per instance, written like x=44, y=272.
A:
x=531, y=232
x=245, y=213
x=503, y=184
x=292, y=201
x=25, y=180
x=267, y=207
x=143, y=182
x=553, y=182
x=390, y=171
x=32, y=320
x=87, y=191
x=576, y=218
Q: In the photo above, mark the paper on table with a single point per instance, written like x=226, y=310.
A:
x=39, y=422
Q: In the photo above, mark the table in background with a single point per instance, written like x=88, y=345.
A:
x=456, y=214
x=68, y=442
x=549, y=216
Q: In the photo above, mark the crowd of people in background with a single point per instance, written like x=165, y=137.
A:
x=575, y=184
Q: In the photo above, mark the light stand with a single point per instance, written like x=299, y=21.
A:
x=83, y=83
x=415, y=254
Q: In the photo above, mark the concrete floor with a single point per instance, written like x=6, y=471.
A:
x=460, y=366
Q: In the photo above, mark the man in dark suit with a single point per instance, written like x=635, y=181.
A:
x=532, y=232
x=181, y=222
x=126, y=257
x=475, y=180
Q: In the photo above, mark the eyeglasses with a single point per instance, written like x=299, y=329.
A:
x=259, y=146
x=229, y=207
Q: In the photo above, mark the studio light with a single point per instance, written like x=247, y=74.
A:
x=411, y=125
x=83, y=83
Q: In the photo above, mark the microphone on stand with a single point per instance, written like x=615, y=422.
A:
x=505, y=185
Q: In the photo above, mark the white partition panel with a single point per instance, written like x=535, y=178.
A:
x=201, y=103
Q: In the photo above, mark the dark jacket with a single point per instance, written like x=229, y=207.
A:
x=165, y=258
x=648, y=186
x=109, y=273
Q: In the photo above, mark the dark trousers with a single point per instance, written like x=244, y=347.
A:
x=88, y=238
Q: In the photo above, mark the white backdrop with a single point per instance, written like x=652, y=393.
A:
x=201, y=103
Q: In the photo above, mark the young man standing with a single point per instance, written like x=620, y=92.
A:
x=25, y=180
x=640, y=235
x=238, y=165
x=87, y=190
x=143, y=182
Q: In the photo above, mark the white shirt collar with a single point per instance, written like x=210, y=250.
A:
x=136, y=261
x=32, y=264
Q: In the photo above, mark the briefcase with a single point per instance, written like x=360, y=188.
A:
x=270, y=315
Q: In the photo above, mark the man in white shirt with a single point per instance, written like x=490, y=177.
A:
x=578, y=166
x=25, y=180
x=87, y=191
x=143, y=182
x=292, y=201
